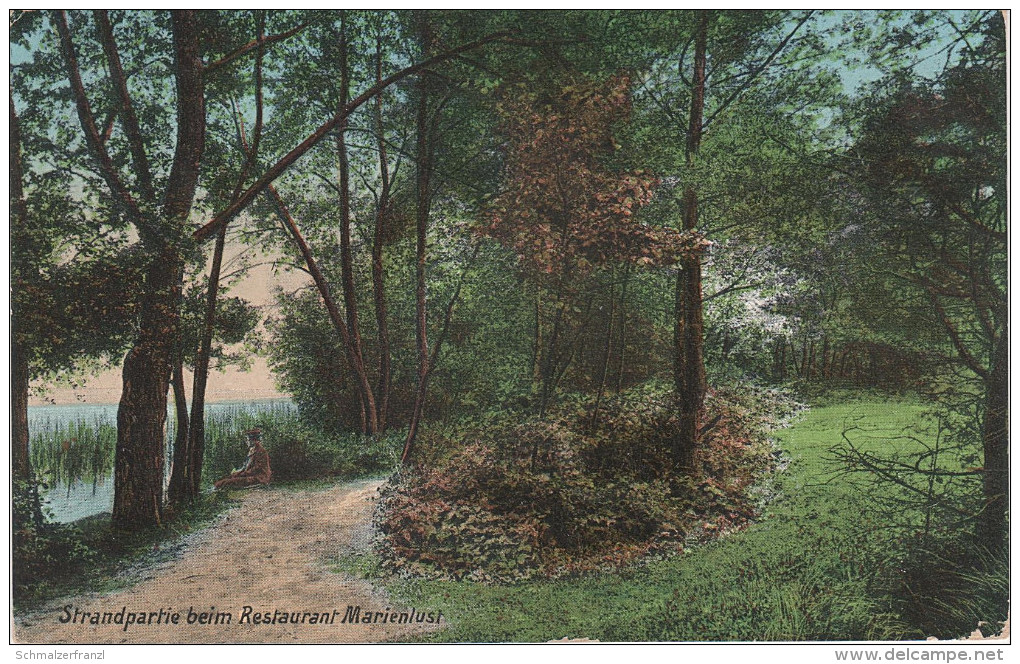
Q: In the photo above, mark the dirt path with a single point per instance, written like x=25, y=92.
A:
x=269, y=553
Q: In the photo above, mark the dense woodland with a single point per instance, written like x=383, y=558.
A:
x=580, y=249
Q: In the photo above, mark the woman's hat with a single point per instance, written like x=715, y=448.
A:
x=254, y=434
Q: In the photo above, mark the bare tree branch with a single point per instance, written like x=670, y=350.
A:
x=313, y=139
x=127, y=109
x=757, y=71
x=260, y=43
x=88, y=121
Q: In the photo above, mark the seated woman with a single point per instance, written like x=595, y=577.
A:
x=255, y=469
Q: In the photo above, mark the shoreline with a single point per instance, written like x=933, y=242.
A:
x=63, y=401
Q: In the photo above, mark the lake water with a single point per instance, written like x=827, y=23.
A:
x=94, y=495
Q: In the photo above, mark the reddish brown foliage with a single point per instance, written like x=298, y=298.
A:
x=552, y=497
x=562, y=209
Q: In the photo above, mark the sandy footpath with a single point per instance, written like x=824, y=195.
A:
x=270, y=553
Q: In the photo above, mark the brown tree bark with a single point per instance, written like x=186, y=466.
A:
x=20, y=369
x=180, y=451
x=141, y=416
x=423, y=167
x=779, y=368
x=688, y=333
x=993, y=524
x=186, y=478
x=378, y=280
x=126, y=110
x=346, y=255
x=21, y=467
x=357, y=367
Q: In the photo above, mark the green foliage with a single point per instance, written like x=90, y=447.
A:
x=236, y=322
x=864, y=243
x=57, y=560
x=41, y=552
x=297, y=450
x=816, y=565
x=504, y=500
x=304, y=452
x=944, y=585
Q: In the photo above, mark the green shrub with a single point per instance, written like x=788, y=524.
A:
x=302, y=452
x=297, y=451
x=42, y=552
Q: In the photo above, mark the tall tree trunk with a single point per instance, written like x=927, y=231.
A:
x=186, y=481
x=141, y=415
x=21, y=459
x=779, y=368
x=346, y=255
x=21, y=467
x=378, y=281
x=688, y=335
x=21, y=373
x=180, y=451
x=20, y=370
x=357, y=367
x=423, y=166
x=605, y=360
x=992, y=526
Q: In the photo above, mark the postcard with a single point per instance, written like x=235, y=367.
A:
x=510, y=327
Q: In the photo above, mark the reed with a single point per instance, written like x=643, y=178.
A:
x=82, y=450
x=66, y=451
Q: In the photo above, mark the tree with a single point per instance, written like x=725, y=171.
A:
x=161, y=222
x=152, y=186
x=203, y=345
x=933, y=162
x=567, y=214
x=688, y=332
x=732, y=55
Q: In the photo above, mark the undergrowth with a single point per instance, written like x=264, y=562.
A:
x=817, y=564
x=55, y=559
x=576, y=491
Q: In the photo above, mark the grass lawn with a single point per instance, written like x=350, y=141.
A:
x=809, y=569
